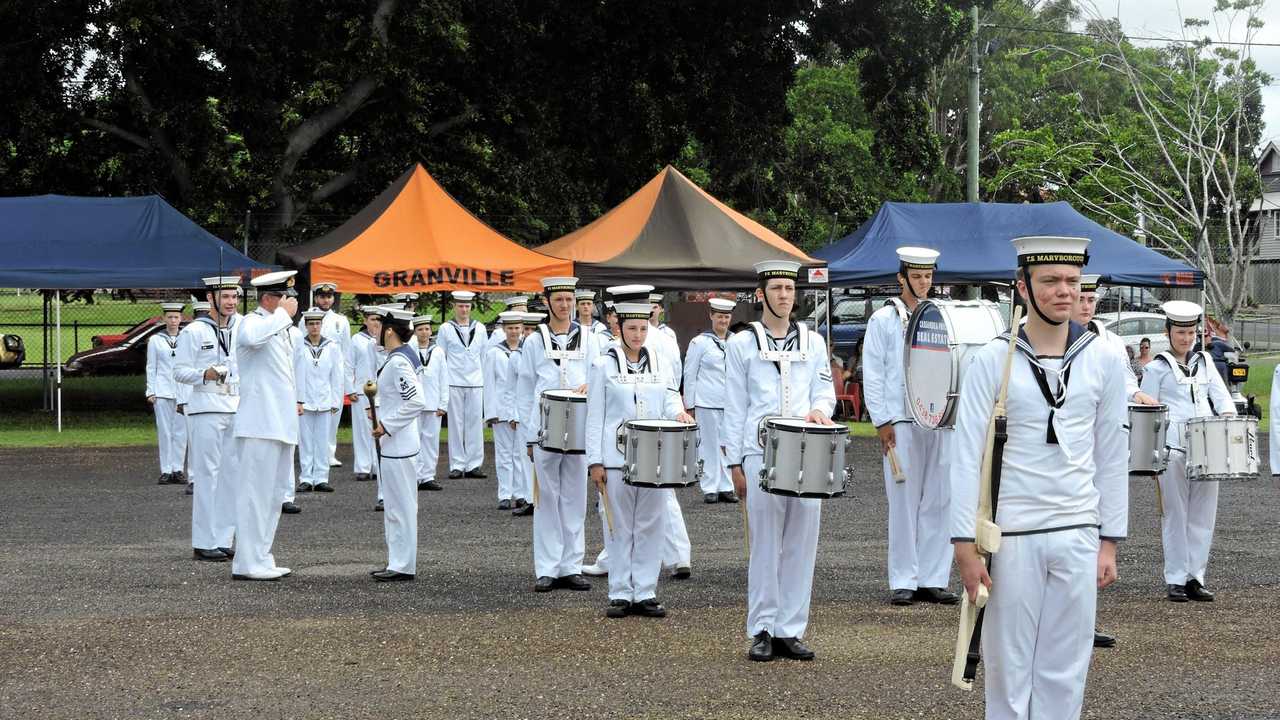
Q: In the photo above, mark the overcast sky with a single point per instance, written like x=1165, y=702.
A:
x=1161, y=18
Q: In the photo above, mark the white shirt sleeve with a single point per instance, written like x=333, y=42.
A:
x=300, y=371
x=1274, y=415
x=597, y=389
x=822, y=391
x=968, y=442
x=490, y=395
x=736, y=396
x=1218, y=393
x=411, y=404
x=874, y=371
x=1111, y=454
x=153, y=359
x=697, y=348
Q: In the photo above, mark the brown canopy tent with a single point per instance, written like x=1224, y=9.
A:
x=672, y=234
x=415, y=237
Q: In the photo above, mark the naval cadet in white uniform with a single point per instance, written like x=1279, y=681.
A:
x=499, y=414
x=399, y=403
x=266, y=424
x=336, y=327
x=515, y=303
x=704, y=396
x=919, y=547
x=627, y=382
x=433, y=373
x=784, y=530
x=206, y=363
x=364, y=366
x=464, y=341
x=162, y=393
x=556, y=357
x=320, y=375
x=523, y=471
x=1189, y=384
x=1061, y=500
x=585, y=301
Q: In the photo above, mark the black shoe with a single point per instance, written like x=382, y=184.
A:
x=379, y=507
x=474, y=473
x=290, y=508
x=228, y=552
x=164, y=479
x=761, y=648
x=649, y=608
x=710, y=498
x=504, y=504
x=392, y=576
x=180, y=477
x=940, y=596
x=1177, y=593
x=1103, y=640
x=902, y=597
x=304, y=487
x=430, y=485
x=209, y=555
x=455, y=474
x=324, y=487
x=728, y=496
x=523, y=510
x=363, y=477
x=573, y=582
x=544, y=584
x=791, y=648
x=682, y=572
x=1198, y=592
x=617, y=609
x=191, y=489
x=520, y=502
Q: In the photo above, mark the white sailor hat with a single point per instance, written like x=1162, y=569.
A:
x=172, y=307
x=655, y=298
x=372, y=310
x=398, y=317
x=222, y=282
x=420, y=320
x=787, y=269
x=517, y=300
x=279, y=282
x=584, y=295
x=462, y=296
x=314, y=313
x=324, y=286
x=200, y=306
x=405, y=297
x=917, y=258
x=559, y=284
x=392, y=306
x=633, y=311
x=1089, y=283
x=511, y=317
x=1182, y=313
x=534, y=318
x=721, y=305
x=1051, y=250
x=630, y=293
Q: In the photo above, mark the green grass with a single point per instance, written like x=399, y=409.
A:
x=1261, y=368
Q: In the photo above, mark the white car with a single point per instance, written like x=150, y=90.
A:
x=1132, y=327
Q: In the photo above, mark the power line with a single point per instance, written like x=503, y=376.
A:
x=1095, y=36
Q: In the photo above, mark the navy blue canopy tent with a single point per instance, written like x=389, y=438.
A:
x=61, y=242
x=974, y=241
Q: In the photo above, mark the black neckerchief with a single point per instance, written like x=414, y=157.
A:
x=471, y=327
x=222, y=334
x=424, y=354
x=790, y=341
x=1077, y=339
x=172, y=342
x=316, y=350
x=716, y=339
x=575, y=336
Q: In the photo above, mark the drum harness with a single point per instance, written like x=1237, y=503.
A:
x=783, y=358
x=1188, y=375
x=556, y=355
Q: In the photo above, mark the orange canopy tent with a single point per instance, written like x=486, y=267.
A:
x=672, y=234
x=415, y=237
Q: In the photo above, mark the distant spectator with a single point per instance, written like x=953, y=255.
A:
x=1133, y=362
x=1144, y=353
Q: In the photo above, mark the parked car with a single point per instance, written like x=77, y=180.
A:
x=1132, y=327
x=127, y=357
x=850, y=311
x=1126, y=299
x=111, y=339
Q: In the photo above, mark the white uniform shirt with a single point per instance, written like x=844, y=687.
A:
x=704, y=372
x=617, y=390
x=1188, y=395
x=399, y=403
x=162, y=353
x=662, y=339
x=367, y=357
x=268, y=397
x=753, y=387
x=884, y=384
x=499, y=375
x=465, y=348
x=1083, y=480
x=318, y=372
x=202, y=345
x=1116, y=344
x=433, y=374
x=539, y=372
x=337, y=328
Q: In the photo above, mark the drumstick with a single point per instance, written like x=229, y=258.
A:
x=746, y=530
x=608, y=512
x=895, y=467
x=1159, y=499
x=534, y=474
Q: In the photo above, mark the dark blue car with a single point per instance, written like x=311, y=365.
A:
x=850, y=310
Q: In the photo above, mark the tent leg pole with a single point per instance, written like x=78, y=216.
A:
x=45, y=391
x=831, y=338
x=57, y=342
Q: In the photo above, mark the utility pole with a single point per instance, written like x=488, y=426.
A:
x=975, y=74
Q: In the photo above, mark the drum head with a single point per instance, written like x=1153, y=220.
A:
x=661, y=425
x=796, y=424
x=930, y=364
x=566, y=395
x=1157, y=409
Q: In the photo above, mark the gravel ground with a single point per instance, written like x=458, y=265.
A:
x=104, y=615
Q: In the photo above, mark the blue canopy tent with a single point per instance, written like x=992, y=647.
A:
x=974, y=241
x=56, y=242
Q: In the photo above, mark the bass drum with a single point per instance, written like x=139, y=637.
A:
x=940, y=336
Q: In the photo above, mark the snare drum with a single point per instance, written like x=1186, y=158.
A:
x=940, y=336
x=1148, y=454
x=659, y=453
x=1222, y=448
x=564, y=422
x=803, y=459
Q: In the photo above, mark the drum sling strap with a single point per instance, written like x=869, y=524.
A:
x=1186, y=375
x=783, y=358
x=558, y=356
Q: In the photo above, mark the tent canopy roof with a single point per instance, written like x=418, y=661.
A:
x=414, y=237
x=672, y=234
x=973, y=239
x=61, y=242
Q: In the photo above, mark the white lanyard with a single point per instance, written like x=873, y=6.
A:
x=783, y=358
x=556, y=354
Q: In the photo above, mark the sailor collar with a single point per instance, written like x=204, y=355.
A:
x=1078, y=338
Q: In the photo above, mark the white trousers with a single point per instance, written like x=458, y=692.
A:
x=1037, y=636
x=424, y=463
x=362, y=437
x=639, y=515
x=715, y=464
x=171, y=431
x=263, y=468
x=313, y=446
x=676, y=548
x=522, y=477
x=784, y=546
x=213, y=472
x=602, y=560
x=919, y=510
x=505, y=460
x=466, y=428
x=334, y=420
x=558, y=540
x=397, y=481
x=1186, y=529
